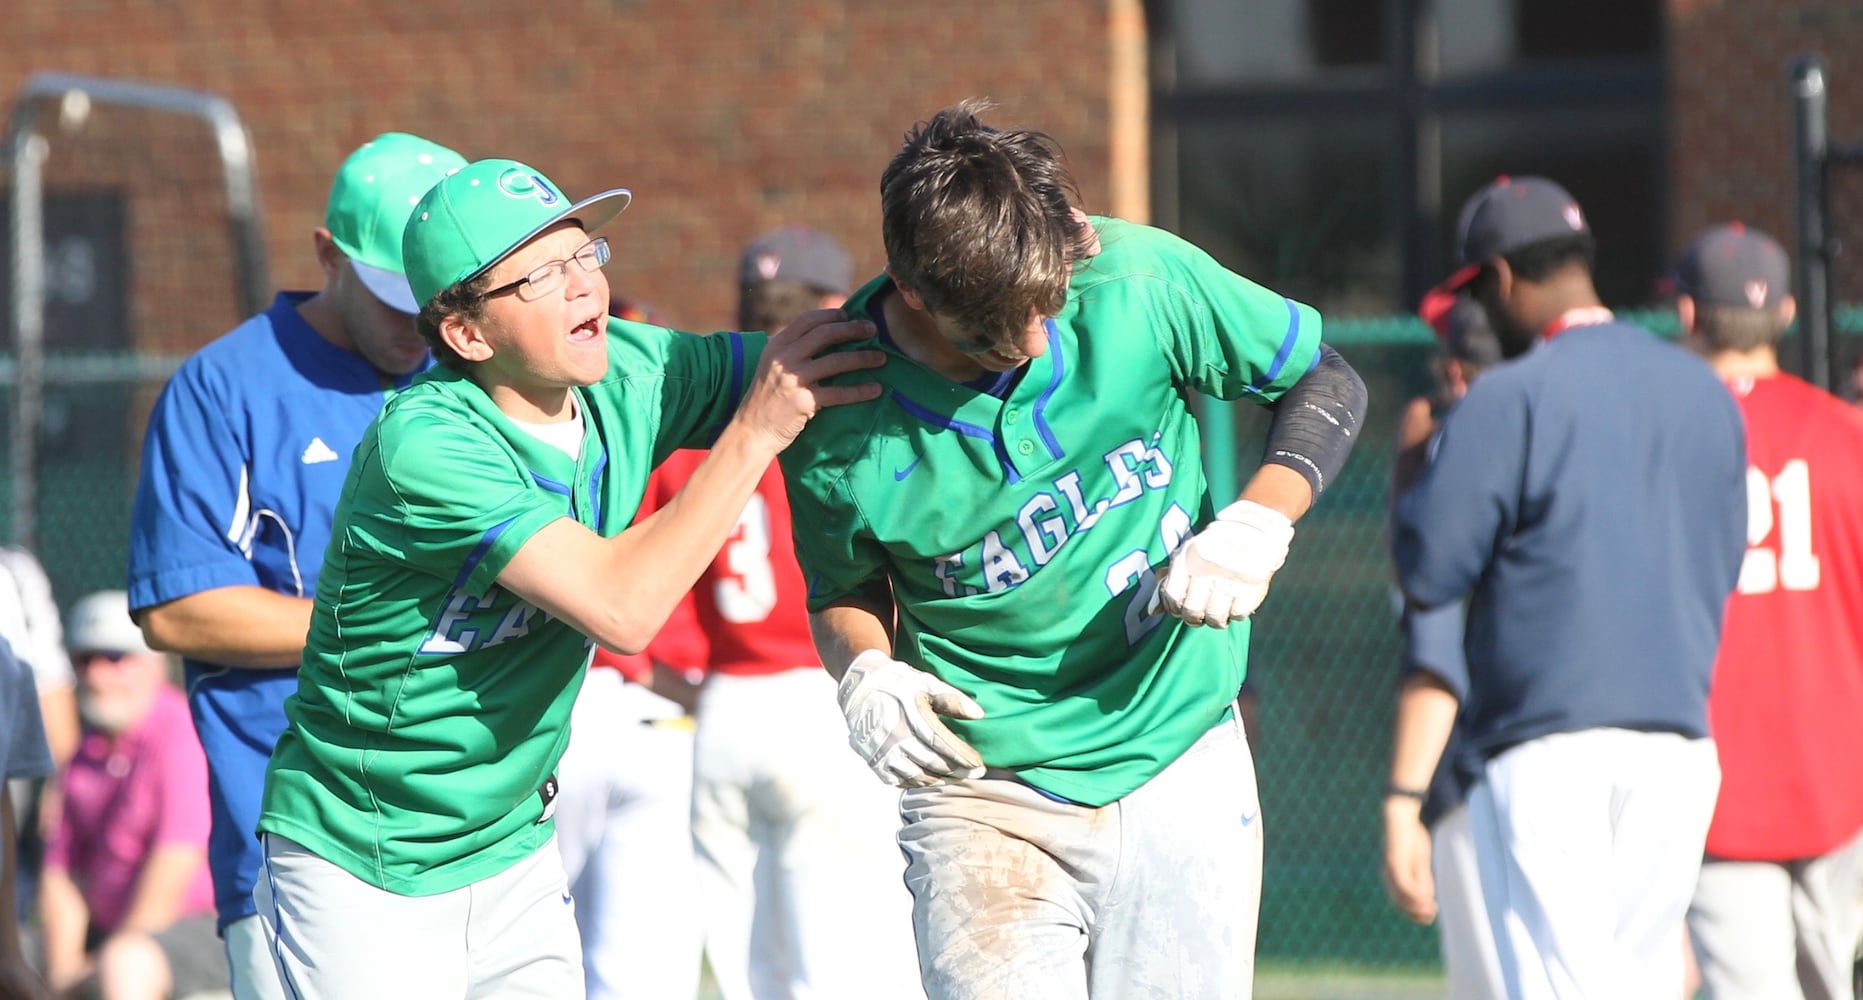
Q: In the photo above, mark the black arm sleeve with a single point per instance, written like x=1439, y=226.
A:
x=1316, y=421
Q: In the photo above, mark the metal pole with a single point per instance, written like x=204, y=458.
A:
x=1811, y=205
x=26, y=151
x=232, y=143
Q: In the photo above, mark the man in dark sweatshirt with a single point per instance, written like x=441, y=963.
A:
x=1589, y=497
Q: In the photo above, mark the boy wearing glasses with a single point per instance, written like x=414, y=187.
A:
x=480, y=538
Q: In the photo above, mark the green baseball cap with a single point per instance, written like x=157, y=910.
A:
x=475, y=218
x=375, y=191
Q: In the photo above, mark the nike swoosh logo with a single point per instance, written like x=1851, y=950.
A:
x=1249, y=820
x=899, y=475
x=566, y=899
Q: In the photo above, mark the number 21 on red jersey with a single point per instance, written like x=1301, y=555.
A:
x=1781, y=560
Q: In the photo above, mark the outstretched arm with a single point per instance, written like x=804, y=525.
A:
x=620, y=590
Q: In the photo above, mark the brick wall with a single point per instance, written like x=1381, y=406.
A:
x=725, y=117
x=1731, y=124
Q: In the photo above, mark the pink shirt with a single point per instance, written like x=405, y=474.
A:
x=126, y=797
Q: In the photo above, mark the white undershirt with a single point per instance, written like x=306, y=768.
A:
x=563, y=435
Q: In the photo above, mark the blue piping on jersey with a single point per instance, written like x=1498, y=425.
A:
x=968, y=430
x=737, y=382
x=552, y=485
x=595, y=488
x=479, y=550
x=1054, y=382
x=1288, y=341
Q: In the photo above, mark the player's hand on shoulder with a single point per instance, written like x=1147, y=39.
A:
x=787, y=389
x=1221, y=574
x=893, y=722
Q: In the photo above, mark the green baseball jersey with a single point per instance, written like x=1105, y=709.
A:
x=432, y=704
x=1023, y=536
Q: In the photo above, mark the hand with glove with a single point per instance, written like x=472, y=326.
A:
x=1220, y=574
x=892, y=722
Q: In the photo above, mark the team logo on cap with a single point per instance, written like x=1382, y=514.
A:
x=1573, y=217
x=524, y=184
x=767, y=265
x=1756, y=294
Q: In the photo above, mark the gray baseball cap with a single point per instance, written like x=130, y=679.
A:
x=1510, y=214
x=796, y=253
x=100, y=623
x=1732, y=265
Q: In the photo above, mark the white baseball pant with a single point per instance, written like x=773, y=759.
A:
x=623, y=823
x=1469, y=960
x=336, y=937
x=803, y=883
x=249, y=960
x=1589, y=845
x=1153, y=897
x=1768, y=930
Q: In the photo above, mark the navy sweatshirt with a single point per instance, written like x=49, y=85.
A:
x=1591, y=496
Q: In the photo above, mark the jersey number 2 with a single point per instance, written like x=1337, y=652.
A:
x=1135, y=567
x=1792, y=565
x=747, y=592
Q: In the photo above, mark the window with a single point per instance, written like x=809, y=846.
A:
x=1323, y=147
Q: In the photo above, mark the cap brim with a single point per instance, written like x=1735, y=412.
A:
x=595, y=212
x=1438, y=301
x=391, y=288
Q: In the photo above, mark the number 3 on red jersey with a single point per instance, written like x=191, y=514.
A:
x=746, y=591
x=1788, y=562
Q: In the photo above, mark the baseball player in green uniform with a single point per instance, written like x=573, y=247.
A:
x=478, y=548
x=1009, y=555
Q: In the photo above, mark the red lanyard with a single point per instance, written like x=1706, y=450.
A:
x=1582, y=316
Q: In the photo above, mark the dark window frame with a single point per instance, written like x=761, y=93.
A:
x=1408, y=90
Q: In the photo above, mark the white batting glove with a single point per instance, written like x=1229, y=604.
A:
x=1221, y=574
x=892, y=722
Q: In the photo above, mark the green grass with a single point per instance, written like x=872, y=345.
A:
x=1341, y=981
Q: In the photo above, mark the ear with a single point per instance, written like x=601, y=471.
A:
x=1788, y=310
x=330, y=257
x=1503, y=279
x=906, y=295
x=1456, y=379
x=1685, y=313
x=911, y=298
x=466, y=339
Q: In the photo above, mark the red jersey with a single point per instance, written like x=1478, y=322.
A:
x=1786, y=708
x=746, y=615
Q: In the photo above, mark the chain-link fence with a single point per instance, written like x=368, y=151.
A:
x=1325, y=653
x=1325, y=659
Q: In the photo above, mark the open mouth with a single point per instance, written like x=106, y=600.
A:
x=587, y=330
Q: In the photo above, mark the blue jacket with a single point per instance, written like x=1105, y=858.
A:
x=1591, y=496
x=244, y=457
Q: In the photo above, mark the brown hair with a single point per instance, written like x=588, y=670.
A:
x=1738, y=328
x=979, y=223
x=465, y=299
x=770, y=305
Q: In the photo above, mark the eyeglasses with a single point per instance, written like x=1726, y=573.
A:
x=549, y=277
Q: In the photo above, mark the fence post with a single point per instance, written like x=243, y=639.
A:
x=1811, y=206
